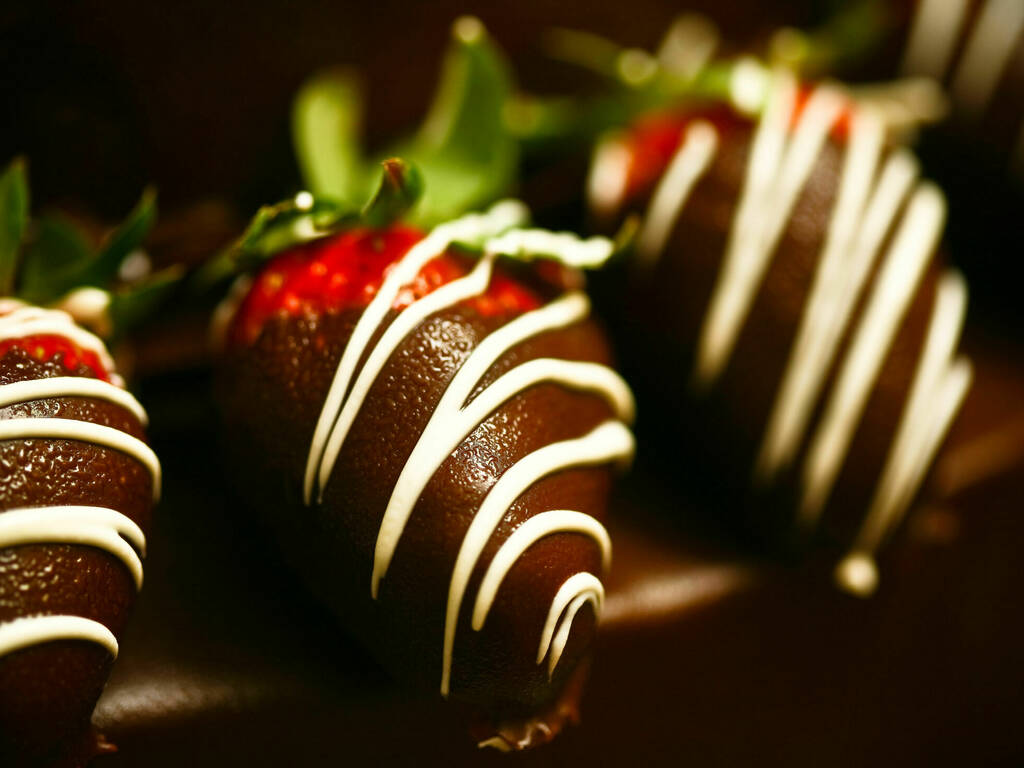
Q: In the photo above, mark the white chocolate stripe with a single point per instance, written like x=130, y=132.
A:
x=611, y=441
x=863, y=216
x=71, y=386
x=936, y=27
x=608, y=176
x=33, y=630
x=778, y=170
x=939, y=386
x=565, y=627
x=901, y=272
x=996, y=31
x=35, y=321
x=535, y=243
x=524, y=537
x=473, y=284
x=87, y=432
x=442, y=429
x=476, y=227
x=688, y=164
x=447, y=429
x=868, y=204
x=94, y=526
x=575, y=586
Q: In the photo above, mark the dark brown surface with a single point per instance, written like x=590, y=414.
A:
x=660, y=321
x=47, y=692
x=272, y=393
x=705, y=656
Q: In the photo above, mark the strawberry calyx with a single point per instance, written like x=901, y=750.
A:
x=345, y=271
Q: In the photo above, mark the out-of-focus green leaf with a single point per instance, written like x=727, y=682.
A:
x=55, y=256
x=131, y=305
x=274, y=228
x=399, y=189
x=125, y=239
x=326, y=119
x=13, y=218
x=465, y=150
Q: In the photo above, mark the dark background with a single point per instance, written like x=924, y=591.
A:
x=104, y=96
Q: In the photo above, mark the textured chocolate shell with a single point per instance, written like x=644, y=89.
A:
x=791, y=310
x=77, y=485
x=513, y=488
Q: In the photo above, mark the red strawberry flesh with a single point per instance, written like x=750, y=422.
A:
x=346, y=270
x=654, y=138
x=51, y=347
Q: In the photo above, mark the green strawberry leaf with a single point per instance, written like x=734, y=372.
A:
x=399, y=189
x=326, y=118
x=122, y=242
x=131, y=305
x=465, y=149
x=13, y=219
x=274, y=228
x=55, y=255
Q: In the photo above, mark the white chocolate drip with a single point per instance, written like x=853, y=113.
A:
x=937, y=29
x=86, y=432
x=781, y=162
x=687, y=166
x=501, y=217
x=997, y=30
x=457, y=416
x=577, y=590
x=71, y=386
x=873, y=198
x=608, y=177
x=99, y=527
x=23, y=320
x=933, y=36
x=607, y=443
x=35, y=630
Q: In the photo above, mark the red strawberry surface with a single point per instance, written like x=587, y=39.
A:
x=345, y=271
x=60, y=349
x=654, y=138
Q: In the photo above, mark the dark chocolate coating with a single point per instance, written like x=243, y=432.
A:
x=48, y=691
x=723, y=427
x=705, y=655
x=271, y=396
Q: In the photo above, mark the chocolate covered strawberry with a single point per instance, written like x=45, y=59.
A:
x=77, y=481
x=429, y=421
x=793, y=311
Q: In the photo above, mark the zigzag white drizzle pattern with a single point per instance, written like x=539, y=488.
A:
x=454, y=418
x=868, y=205
x=99, y=527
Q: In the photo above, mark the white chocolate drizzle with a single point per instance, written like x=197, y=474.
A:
x=459, y=412
x=71, y=386
x=873, y=199
x=99, y=527
x=936, y=31
x=86, y=432
x=36, y=630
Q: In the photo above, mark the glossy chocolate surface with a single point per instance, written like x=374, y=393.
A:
x=706, y=653
x=47, y=691
x=272, y=394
